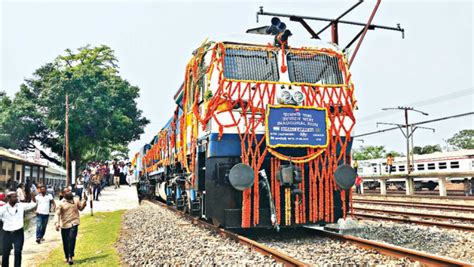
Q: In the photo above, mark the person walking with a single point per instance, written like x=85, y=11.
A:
x=96, y=186
x=389, y=163
x=45, y=201
x=472, y=186
x=13, y=215
x=86, y=176
x=358, y=183
x=79, y=187
x=116, y=176
x=20, y=192
x=355, y=166
x=67, y=220
x=129, y=178
x=103, y=176
x=34, y=189
x=467, y=187
x=110, y=179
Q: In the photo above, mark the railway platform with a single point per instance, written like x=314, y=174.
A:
x=110, y=200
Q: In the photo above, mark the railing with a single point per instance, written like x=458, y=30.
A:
x=409, y=180
x=419, y=175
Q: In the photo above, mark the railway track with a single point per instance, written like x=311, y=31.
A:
x=415, y=221
x=426, y=259
x=417, y=214
x=275, y=254
x=424, y=205
x=416, y=217
x=450, y=193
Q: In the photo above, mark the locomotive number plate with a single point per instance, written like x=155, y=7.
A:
x=294, y=126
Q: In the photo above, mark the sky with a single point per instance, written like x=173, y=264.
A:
x=430, y=69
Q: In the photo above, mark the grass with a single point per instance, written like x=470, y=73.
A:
x=95, y=243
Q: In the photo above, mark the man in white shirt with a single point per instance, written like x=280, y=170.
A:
x=20, y=192
x=126, y=172
x=12, y=214
x=45, y=202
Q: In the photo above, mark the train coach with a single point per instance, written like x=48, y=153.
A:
x=260, y=136
x=453, y=162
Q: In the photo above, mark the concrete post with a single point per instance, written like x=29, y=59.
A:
x=362, y=186
x=73, y=172
x=383, y=187
x=23, y=179
x=410, y=186
x=442, y=186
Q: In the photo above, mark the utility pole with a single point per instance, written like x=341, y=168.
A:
x=66, y=136
x=412, y=131
x=407, y=131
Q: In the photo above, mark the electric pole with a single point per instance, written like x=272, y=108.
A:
x=66, y=136
x=407, y=129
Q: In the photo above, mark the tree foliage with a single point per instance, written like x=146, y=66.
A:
x=428, y=149
x=103, y=112
x=372, y=152
x=464, y=139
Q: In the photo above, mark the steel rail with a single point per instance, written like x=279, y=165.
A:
x=385, y=249
x=422, y=196
x=406, y=220
x=394, y=251
x=434, y=206
x=417, y=214
x=458, y=194
x=273, y=253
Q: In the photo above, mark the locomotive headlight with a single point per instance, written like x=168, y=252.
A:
x=285, y=97
x=298, y=97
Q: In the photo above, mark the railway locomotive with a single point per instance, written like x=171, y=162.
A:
x=261, y=133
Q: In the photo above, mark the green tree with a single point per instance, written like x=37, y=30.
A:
x=394, y=153
x=373, y=152
x=464, y=139
x=369, y=152
x=428, y=149
x=103, y=111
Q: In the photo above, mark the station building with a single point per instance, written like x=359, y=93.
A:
x=17, y=168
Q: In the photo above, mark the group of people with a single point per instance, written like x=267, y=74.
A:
x=97, y=175
x=20, y=197
x=66, y=220
x=24, y=190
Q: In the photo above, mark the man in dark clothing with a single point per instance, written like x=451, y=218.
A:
x=116, y=176
x=67, y=220
x=96, y=186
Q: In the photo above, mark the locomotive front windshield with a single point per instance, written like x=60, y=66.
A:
x=314, y=68
x=257, y=65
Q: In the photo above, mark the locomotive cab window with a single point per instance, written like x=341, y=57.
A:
x=314, y=68
x=258, y=65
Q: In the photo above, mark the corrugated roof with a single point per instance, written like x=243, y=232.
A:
x=56, y=171
x=6, y=154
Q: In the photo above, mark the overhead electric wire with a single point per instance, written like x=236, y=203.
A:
x=430, y=101
x=415, y=124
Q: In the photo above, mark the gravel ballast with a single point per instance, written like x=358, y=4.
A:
x=153, y=235
x=323, y=251
x=451, y=243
